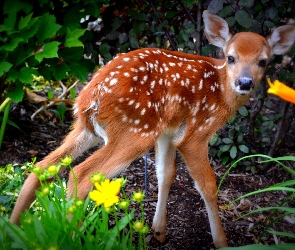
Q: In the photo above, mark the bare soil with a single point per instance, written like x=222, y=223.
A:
x=187, y=225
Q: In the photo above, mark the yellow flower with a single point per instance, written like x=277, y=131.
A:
x=138, y=196
x=106, y=193
x=280, y=89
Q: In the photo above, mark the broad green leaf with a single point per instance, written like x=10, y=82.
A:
x=171, y=14
x=71, y=54
x=285, y=246
x=214, y=140
x=225, y=11
x=26, y=74
x=225, y=148
x=215, y=6
x=104, y=48
x=72, y=38
x=243, y=111
x=113, y=35
x=15, y=6
x=79, y=70
x=23, y=22
x=12, y=75
x=60, y=71
x=243, y=18
x=17, y=94
x=12, y=45
x=233, y=152
x=137, y=15
x=133, y=43
x=227, y=140
x=47, y=28
x=4, y=67
x=231, y=21
x=49, y=51
x=244, y=149
x=117, y=22
x=246, y=3
x=29, y=31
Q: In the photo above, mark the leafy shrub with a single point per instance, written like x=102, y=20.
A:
x=278, y=212
x=90, y=226
x=44, y=38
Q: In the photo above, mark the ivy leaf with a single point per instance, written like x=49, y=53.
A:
x=59, y=70
x=23, y=22
x=12, y=45
x=233, y=152
x=47, y=27
x=26, y=74
x=49, y=51
x=4, y=67
x=17, y=94
x=243, y=18
x=72, y=38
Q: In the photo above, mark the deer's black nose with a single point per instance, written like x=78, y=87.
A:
x=245, y=83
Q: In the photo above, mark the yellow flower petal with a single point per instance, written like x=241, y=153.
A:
x=284, y=92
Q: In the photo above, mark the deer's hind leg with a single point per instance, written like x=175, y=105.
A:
x=75, y=143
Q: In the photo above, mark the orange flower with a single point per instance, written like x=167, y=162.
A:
x=281, y=90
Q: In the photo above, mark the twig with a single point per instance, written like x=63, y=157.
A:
x=65, y=91
x=278, y=134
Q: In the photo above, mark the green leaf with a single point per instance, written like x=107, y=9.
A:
x=246, y=3
x=47, y=28
x=243, y=111
x=49, y=51
x=104, y=48
x=233, y=152
x=12, y=45
x=17, y=94
x=72, y=38
x=23, y=22
x=4, y=67
x=225, y=148
x=214, y=140
x=215, y=6
x=117, y=22
x=244, y=149
x=243, y=18
x=26, y=74
x=50, y=95
x=285, y=234
x=15, y=6
x=171, y=14
x=133, y=43
x=12, y=75
x=60, y=71
x=227, y=140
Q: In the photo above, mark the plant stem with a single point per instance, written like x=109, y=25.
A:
x=5, y=104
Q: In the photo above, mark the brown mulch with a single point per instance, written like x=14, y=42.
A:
x=187, y=225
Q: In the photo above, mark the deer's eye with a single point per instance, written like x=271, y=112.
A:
x=262, y=63
x=230, y=59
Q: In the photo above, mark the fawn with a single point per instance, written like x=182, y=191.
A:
x=167, y=99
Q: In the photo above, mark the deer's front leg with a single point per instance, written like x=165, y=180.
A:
x=196, y=157
x=166, y=169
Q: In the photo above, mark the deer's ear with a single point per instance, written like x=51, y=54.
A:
x=216, y=30
x=282, y=39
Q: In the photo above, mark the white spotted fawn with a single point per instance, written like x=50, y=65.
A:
x=167, y=99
